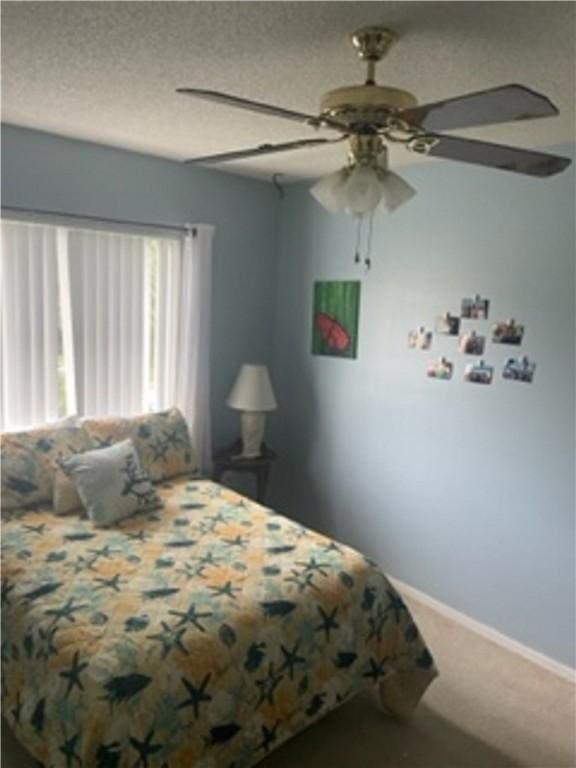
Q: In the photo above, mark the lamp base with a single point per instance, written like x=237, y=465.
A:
x=253, y=424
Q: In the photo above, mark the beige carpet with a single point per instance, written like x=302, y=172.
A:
x=488, y=709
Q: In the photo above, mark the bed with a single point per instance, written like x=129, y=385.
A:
x=204, y=633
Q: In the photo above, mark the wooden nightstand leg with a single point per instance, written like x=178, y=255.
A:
x=262, y=475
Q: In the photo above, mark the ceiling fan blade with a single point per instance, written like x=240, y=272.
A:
x=498, y=156
x=263, y=149
x=259, y=106
x=497, y=105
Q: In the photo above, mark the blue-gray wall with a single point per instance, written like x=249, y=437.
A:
x=44, y=171
x=463, y=491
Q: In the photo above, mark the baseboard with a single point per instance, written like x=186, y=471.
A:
x=540, y=659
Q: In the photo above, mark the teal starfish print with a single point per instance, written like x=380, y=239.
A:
x=138, y=536
x=113, y=583
x=332, y=547
x=227, y=590
x=66, y=612
x=46, y=647
x=191, y=616
x=17, y=711
x=171, y=638
x=269, y=736
x=313, y=566
x=82, y=564
x=192, y=571
x=268, y=685
x=160, y=450
x=291, y=658
x=145, y=749
x=73, y=674
x=302, y=580
x=68, y=749
x=328, y=622
x=197, y=695
x=376, y=670
x=376, y=623
x=396, y=605
x=7, y=587
x=103, y=552
x=39, y=529
x=209, y=559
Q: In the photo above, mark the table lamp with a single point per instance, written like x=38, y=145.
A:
x=252, y=395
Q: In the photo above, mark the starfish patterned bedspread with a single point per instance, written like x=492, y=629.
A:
x=203, y=634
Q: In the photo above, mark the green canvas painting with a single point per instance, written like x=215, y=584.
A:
x=335, y=324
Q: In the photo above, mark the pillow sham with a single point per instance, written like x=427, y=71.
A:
x=161, y=439
x=27, y=472
x=111, y=483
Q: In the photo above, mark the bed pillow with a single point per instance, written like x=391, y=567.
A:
x=111, y=483
x=27, y=474
x=65, y=498
x=161, y=439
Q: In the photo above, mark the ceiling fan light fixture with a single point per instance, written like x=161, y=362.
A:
x=362, y=188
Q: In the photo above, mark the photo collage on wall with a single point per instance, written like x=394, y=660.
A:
x=470, y=332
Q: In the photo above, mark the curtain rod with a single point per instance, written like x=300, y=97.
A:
x=101, y=219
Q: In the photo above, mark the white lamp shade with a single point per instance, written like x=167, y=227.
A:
x=252, y=390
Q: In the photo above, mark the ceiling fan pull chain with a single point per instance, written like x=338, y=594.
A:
x=358, y=238
x=367, y=259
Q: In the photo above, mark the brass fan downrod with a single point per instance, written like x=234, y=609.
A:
x=372, y=44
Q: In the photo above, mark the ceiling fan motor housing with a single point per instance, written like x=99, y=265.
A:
x=372, y=104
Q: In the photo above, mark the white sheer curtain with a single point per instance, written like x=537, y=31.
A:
x=107, y=289
x=92, y=318
x=28, y=325
x=183, y=334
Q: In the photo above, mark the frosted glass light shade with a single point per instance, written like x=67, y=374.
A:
x=330, y=191
x=363, y=190
x=395, y=191
x=252, y=390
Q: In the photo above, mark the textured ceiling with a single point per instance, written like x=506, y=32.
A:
x=106, y=71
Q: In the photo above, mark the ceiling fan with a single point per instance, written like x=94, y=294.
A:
x=370, y=116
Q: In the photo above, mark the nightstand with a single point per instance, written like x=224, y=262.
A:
x=259, y=466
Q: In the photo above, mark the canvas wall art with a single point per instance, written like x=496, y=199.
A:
x=335, y=318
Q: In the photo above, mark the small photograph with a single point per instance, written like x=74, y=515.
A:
x=440, y=369
x=507, y=332
x=448, y=324
x=420, y=338
x=472, y=344
x=476, y=308
x=519, y=369
x=479, y=373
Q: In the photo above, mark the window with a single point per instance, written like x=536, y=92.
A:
x=84, y=314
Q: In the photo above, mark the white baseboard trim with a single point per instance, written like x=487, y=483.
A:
x=540, y=659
